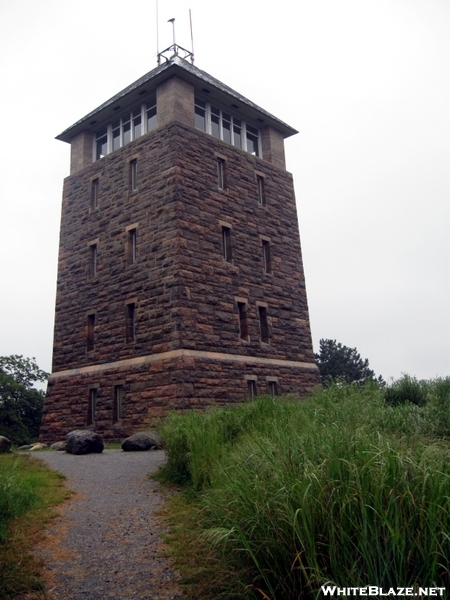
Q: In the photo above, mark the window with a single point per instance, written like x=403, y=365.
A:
x=118, y=403
x=90, y=332
x=151, y=115
x=200, y=114
x=125, y=129
x=226, y=244
x=251, y=388
x=130, y=321
x=243, y=324
x=263, y=325
x=220, y=173
x=133, y=175
x=261, y=190
x=266, y=256
x=101, y=143
x=92, y=261
x=91, y=406
x=252, y=140
x=131, y=245
x=272, y=388
x=94, y=194
x=224, y=126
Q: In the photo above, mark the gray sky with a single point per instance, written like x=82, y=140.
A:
x=366, y=83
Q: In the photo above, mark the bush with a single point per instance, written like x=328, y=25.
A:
x=406, y=389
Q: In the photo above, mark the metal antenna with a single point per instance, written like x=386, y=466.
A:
x=157, y=34
x=192, y=37
x=173, y=29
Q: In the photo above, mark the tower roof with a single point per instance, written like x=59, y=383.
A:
x=179, y=67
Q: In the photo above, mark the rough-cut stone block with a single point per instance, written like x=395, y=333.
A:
x=83, y=442
x=144, y=440
x=5, y=444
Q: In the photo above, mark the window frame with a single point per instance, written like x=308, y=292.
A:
x=243, y=321
x=90, y=332
x=130, y=322
x=93, y=260
x=264, y=332
x=134, y=175
x=236, y=122
x=118, y=403
x=261, y=189
x=124, y=123
x=92, y=402
x=227, y=248
x=267, y=256
x=95, y=183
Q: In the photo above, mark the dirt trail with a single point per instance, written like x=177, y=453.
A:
x=106, y=544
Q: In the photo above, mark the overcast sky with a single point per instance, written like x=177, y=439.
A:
x=366, y=83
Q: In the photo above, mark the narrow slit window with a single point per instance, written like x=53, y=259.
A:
x=92, y=261
x=263, y=324
x=132, y=245
x=133, y=175
x=243, y=324
x=130, y=322
x=261, y=190
x=226, y=244
x=220, y=173
x=90, y=332
x=94, y=194
x=91, y=406
x=251, y=388
x=273, y=389
x=118, y=403
x=266, y=256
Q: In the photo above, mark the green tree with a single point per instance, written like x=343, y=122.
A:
x=21, y=403
x=338, y=362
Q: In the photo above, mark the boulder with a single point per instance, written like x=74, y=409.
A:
x=142, y=441
x=83, y=441
x=25, y=447
x=58, y=446
x=38, y=446
x=5, y=444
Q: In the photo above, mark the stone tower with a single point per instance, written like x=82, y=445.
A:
x=180, y=278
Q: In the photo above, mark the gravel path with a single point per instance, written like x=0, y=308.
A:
x=106, y=544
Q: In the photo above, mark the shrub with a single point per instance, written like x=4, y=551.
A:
x=406, y=389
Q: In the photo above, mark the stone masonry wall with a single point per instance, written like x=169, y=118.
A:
x=153, y=388
x=184, y=292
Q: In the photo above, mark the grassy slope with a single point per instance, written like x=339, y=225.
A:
x=285, y=496
x=28, y=493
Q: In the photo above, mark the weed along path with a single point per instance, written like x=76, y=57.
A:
x=106, y=544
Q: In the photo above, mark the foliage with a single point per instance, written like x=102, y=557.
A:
x=21, y=403
x=28, y=490
x=337, y=362
x=342, y=488
x=406, y=389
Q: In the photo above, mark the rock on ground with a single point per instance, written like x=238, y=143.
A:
x=142, y=441
x=83, y=441
x=5, y=444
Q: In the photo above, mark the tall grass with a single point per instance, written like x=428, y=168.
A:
x=299, y=494
x=28, y=489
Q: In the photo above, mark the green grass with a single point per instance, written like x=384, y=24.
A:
x=28, y=491
x=285, y=496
